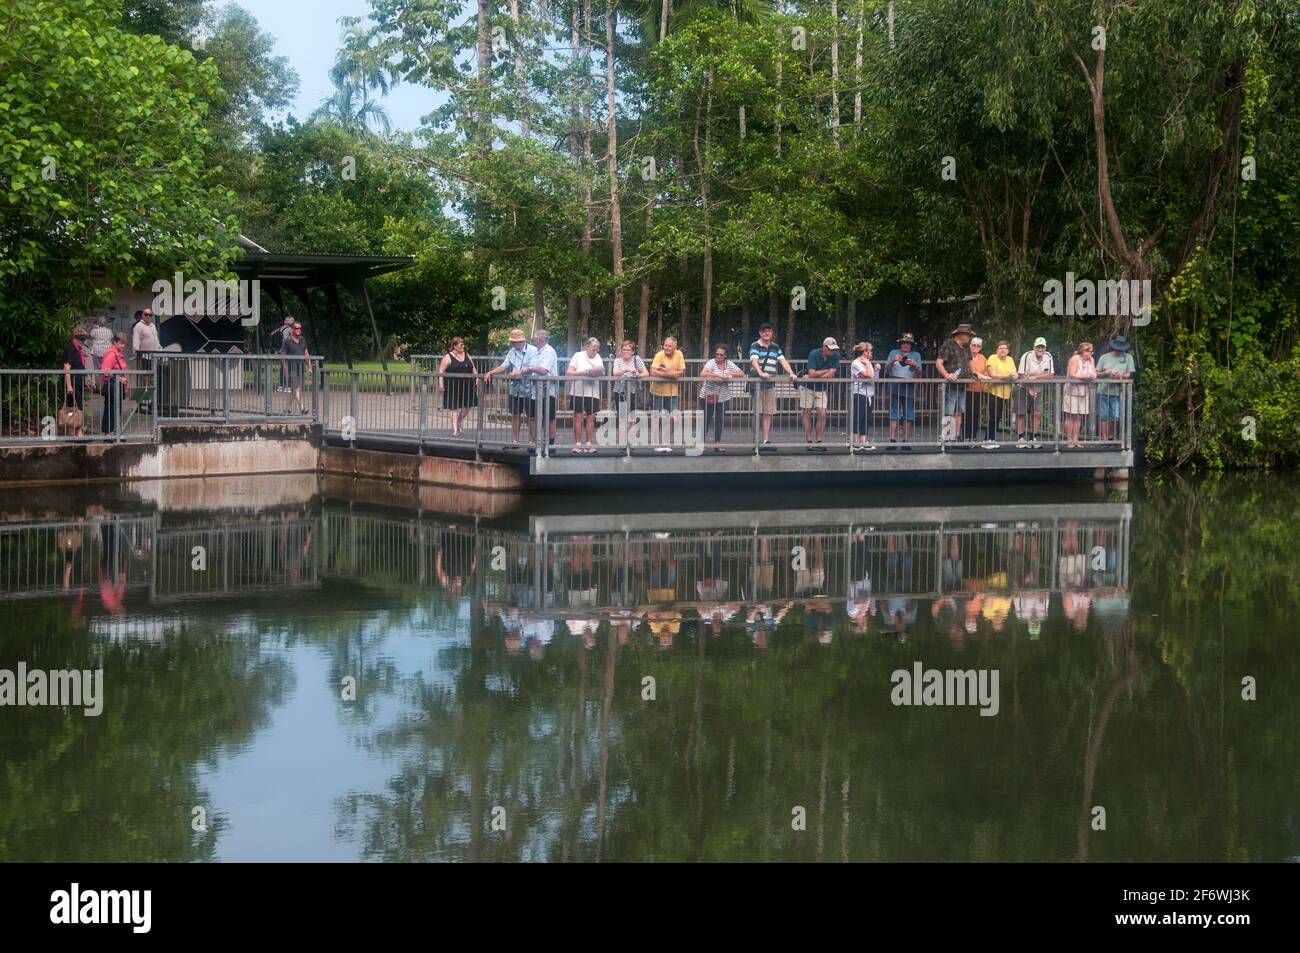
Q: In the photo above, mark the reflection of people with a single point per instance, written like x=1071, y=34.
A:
x=1111, y=606
x=762, y=620
x=113, y=562
x=950, y=566
x=817, y=617
x=810, y=576
x=898, y=564
x=1031, y=608
x=455, y=562
x=664, y=624
x=1076, y=605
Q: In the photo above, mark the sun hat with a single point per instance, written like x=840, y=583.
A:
x=906, y=337
x=1119, y=343
x=962, y=328
x=517, y=335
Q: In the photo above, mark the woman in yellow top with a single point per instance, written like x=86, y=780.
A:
x=999, y=367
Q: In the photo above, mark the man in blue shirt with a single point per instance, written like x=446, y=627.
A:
x=904, y=364
x=546, y=363
x=517, y=361
x=823, y=363
x=765, y=357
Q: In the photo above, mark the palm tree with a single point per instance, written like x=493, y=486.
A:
x=356, y=77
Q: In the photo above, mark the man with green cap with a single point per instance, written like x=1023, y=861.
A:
x=1035, y=365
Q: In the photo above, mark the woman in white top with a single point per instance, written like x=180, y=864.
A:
x=716, y=391
x=584, y=393
x=863, y=373
x=1076, y=403
x=101, y=339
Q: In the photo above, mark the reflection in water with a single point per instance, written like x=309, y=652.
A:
x=645, y=687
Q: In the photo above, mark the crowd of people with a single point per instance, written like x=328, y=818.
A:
x=981, y=392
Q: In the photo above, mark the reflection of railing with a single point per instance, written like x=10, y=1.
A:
x=627, y=416
x=556, y=571
x=45, y=559
x=241, y=559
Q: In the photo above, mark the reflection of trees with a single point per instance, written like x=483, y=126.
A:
x=121, y=786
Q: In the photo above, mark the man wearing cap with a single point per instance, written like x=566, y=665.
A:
x=953, y=366
x=1115, y=364
x=903, y=363
x=1035, y=365
x=823, y=363
x=520, y=357
x=765, y=358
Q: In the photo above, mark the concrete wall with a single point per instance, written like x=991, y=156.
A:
x=410, y=468
x=223, y=450
x=182, y=450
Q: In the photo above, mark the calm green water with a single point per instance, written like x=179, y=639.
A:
x=502, y=663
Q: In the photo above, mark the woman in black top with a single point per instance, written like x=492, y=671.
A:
x=459, y=394
x=74, y=359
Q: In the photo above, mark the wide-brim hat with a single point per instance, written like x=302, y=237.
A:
x=906, y=338
x=1119, y=343
x=962, y=328
x=517, y=335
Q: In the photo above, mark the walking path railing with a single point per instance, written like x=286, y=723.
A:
x=52, y=406
x=607, y=415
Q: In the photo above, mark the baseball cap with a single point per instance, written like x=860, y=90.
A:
x=830, y=343
x=1040, y=342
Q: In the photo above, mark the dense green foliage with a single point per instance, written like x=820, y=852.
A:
x=905, y=163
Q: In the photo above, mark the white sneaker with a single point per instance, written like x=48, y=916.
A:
x=1021, y=443
x=663, y=449
x=868, y=446
x=989, y=445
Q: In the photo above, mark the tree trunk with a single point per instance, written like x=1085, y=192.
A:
x=744, y=328
x=539, y=304
x=835, y=72
x=615, y=213
x=779, y=59
x=643, y=318
x=521, y=89
x=789, y=328
x=585, y=303
x=857, y=66
x=571, y=326
x=706, y=312
x=891, y=24
x=665, y=9
x=851, y=323
x=683, y=307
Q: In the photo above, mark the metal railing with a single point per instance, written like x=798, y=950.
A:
x=56, y=406
x=236, y=387
x=629, y=415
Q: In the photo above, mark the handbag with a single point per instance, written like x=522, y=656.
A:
x=70, y=417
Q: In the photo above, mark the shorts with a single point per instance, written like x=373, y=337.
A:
x=902, y=402
x=766, y=398
x=954, y=399
x=663, y=405
x=521, y=405
x=585, y=405
x=812, y=399
x=1026, y=403
x=626, y=401
x=1108, y=406
x=1077, y=404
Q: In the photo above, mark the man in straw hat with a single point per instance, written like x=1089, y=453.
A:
x=953, y=365
x=902, y=364
x=522, y=401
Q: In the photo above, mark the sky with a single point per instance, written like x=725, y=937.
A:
x=306, y=32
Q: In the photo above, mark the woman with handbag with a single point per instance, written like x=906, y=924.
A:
x=72, y=417
x=114, y=384
x=715, y=392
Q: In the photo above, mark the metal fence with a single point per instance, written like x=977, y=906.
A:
x=604, y=414
x=75, y=406
x=236, y=387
